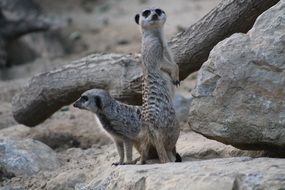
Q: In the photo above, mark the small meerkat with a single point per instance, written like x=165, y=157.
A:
x=160, y=126
x=121, y=121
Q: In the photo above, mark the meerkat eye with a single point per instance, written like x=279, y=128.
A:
x=84, y=98
x=146, y=13
x=158, y=11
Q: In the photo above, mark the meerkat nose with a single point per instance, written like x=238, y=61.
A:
x=154, y=17
x=75, y=105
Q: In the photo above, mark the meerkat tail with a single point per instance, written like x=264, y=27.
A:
x=144, y=153
x=162, y=154
x=178, y=158
x=177, y=155
x=144, y=147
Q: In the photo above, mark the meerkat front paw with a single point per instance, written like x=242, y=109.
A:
x=176, y=82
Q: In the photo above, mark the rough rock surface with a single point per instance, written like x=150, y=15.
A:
x=192, y=146
x=230, y=173
x=26, y=157
x=182, y=106
x=240, y=96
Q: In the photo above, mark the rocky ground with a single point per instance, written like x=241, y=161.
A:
x=71, y=151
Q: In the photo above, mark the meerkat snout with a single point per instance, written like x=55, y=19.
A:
x=93, y=100
x=81, y=102
x=75, y=105
x=154, y=17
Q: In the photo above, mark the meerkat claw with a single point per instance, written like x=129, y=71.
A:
x=117, y=163
x=176, y=83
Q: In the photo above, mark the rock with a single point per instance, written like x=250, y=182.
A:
x=192, y=146
x=182, y=106
x=26, y=157
x=15, y=132
x=66, y=180
x=240, y=96
x=227, y=173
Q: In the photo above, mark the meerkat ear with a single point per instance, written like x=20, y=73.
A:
x=98, y=102
x=137, y=18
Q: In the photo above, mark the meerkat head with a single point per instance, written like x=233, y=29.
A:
x=94, y=100
x=151, y=18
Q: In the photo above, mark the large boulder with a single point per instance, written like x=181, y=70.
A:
x=239, y=98
x=226, y=174
x=26, y=157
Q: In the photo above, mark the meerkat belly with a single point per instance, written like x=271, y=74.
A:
x=157, y=102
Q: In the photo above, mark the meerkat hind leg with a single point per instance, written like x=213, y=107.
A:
x=171, y=156
x=160, y=148
x=144, y=152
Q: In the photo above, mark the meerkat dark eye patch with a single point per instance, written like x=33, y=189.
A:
x=158, y=12
x=137, y=18
x=98, y=102
x=84, y=98
x=146, y=13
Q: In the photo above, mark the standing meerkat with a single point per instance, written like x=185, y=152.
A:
x=121, y=121
x=159, y=123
